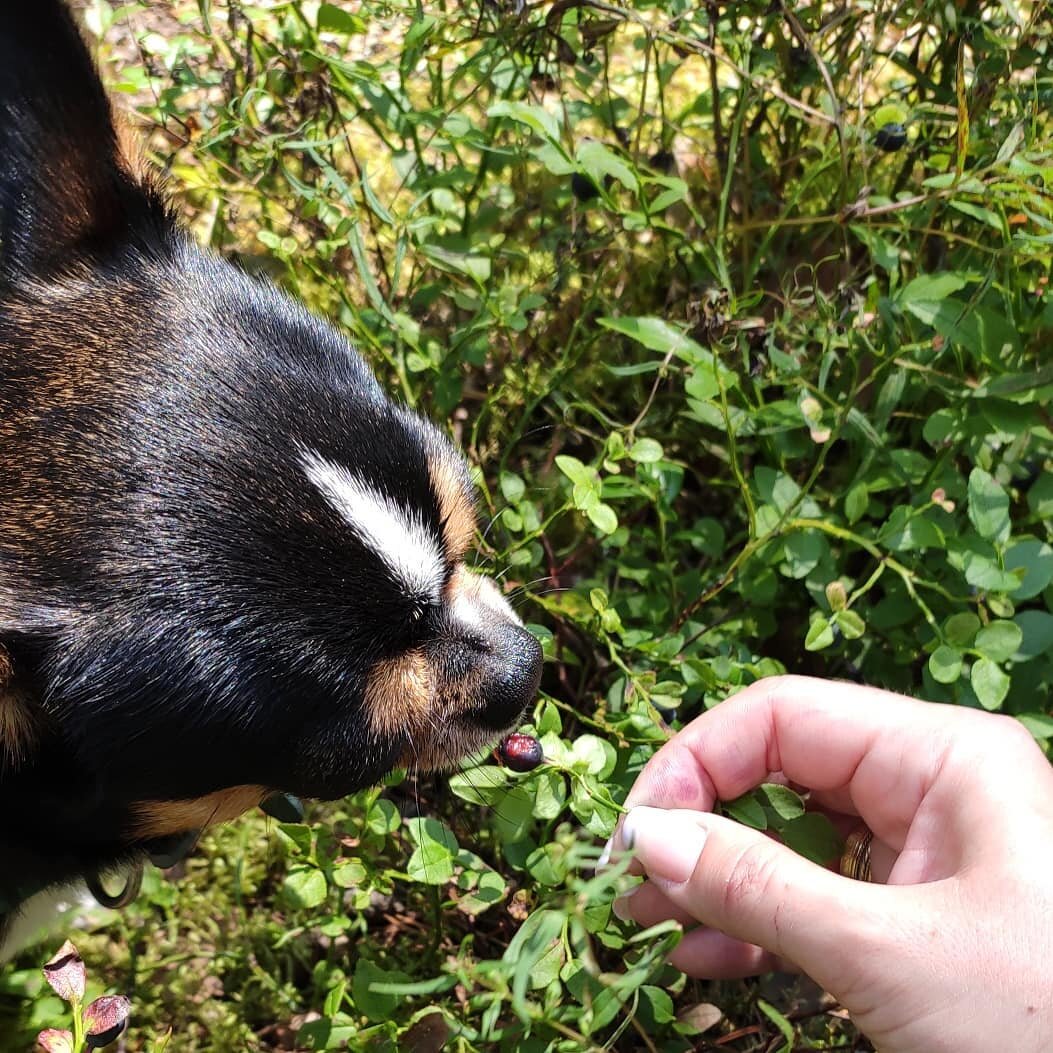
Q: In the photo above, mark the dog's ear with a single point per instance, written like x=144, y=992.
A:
x=67, y=193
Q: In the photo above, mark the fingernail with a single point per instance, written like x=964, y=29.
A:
x=620, y=907
x=605, y=855
x=667, y=842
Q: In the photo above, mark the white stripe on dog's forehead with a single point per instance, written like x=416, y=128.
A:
x=397, y=535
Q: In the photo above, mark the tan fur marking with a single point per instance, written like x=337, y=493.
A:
x=130, y=148
x=454, y=506
x=160, y=818
x=399, y=695
x=16, y=716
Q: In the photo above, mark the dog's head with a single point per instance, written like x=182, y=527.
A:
x=229, y=564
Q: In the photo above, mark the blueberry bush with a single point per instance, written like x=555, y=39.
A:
x=742, y=314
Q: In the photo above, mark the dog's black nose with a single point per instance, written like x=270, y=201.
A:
x=513, y=674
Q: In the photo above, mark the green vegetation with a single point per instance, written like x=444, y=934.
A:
x=742, y=311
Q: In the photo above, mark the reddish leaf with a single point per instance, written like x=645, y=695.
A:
x=105, y=1019
x=65, y=973
x=54, y=1041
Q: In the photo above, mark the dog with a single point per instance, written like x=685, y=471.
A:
x=230, y=565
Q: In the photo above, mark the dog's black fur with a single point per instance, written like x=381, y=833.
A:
x=181, y=611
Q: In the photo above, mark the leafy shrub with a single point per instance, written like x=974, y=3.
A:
x=743, y=313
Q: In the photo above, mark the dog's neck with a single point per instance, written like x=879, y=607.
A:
x=53, y=813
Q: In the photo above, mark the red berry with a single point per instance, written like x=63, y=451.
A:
x=521, y=752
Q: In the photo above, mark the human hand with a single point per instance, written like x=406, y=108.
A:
x=950, y=948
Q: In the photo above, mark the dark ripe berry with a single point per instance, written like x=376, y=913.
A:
x=521, y=752
x=583, y=187
x=890, y=138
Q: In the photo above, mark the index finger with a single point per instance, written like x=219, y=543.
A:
x=881, y=751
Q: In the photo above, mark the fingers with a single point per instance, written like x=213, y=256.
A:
x=752, y=889
x=711, y=955
x=705, y=953
x=867, y=750
x=648, y=905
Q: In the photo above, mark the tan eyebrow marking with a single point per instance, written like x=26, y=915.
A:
x=455, y=505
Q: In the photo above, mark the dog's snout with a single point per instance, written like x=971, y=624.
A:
x=513, y=675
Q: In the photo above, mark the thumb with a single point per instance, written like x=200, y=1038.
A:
x=750, y=887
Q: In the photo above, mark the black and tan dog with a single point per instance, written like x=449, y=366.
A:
x=229, y=564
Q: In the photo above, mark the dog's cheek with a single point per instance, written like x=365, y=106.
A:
x=17, y=718
x=421, y=704
x=398, y=697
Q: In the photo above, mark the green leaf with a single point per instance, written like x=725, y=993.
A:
x=982, y=572
x=782, y=801
x=470, y=264
x=1035, y=558
x=598, y=162
x=349, y=875
x=820, y=635
x=489, y=890
x=660, y=1004
x=814, y=837
x=850, y=623
x=548, y=865
x=512, y=487
x=1037, y=630
x=536, y=118
x=383, y=817
x=988, y=506
x=748, y=811
x=602, y=516
x=550, y=795
x=594, y=755
x=299, y=836
x=305, y=887
x=646, y=451
x=483, y=785
x=989, y=683
x=945, y=664
x=336, y=19
x=1040, y=496
x=536, y=952
x=961, y=629
x=930, y=288
x=940, y=426
x=785, y=1027
x=999, y=641
x=1039, y=724
x=658, y=335
x=374, y=1004
x=907, y=531
x=579, y=474
x=432, y=863
x=804, y=551
x=856, y=501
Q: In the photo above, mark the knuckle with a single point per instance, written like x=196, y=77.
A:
x=751, y=881
x=1013, y=733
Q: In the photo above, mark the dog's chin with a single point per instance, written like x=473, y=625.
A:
x=449, y=750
